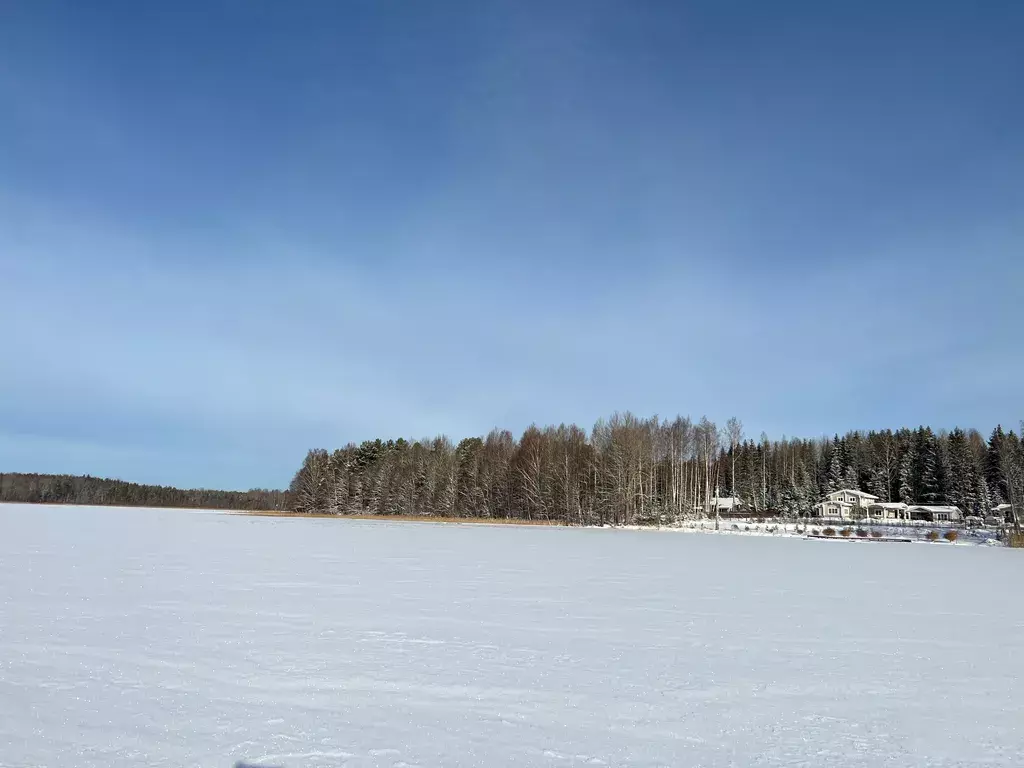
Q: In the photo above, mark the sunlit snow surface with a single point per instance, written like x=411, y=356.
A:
x=142, y=637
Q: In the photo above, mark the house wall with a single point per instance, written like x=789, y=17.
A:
x=888, y=513
x=848, y=497
x=835, y=510
x=935, y=516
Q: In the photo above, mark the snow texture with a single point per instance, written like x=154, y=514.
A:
x=914, y=530
x=164, y=638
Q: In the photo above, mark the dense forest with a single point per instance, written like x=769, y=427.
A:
x=71, y=489
x=630, y=470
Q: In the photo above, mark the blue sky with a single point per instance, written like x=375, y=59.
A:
x=231, y=231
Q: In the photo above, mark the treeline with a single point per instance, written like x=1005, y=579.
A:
x=630, y=470
x=73, y=489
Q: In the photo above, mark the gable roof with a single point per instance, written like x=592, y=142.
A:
x=936, y=508
x=726, y=502
x=862, y=494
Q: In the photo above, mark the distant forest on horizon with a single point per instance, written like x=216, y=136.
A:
x=33, y=488
x=631, y=470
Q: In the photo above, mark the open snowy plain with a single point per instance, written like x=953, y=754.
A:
x=167, y=638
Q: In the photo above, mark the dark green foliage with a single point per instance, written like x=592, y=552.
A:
x=928, y=470
x=993, y=469
x=835, y=466
x=83, y=489
x=962, y=474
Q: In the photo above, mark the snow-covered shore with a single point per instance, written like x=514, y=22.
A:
x=818, y=530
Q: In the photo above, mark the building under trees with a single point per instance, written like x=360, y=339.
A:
x=629, y=470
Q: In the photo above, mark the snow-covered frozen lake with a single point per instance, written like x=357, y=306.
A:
x=145, y=637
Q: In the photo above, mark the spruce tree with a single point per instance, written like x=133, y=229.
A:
x=835, y=467
x=984, y=499
x=850, y=479
x=928, y=468
x=993, y=467
x=311, y=487
x=962, y=475
x=879, y=483
x=908, y=476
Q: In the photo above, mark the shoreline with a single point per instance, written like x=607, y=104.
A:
x=893, y=534
x=897, y=535
x=401, y=518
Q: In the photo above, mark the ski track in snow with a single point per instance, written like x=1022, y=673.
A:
x=154, y=637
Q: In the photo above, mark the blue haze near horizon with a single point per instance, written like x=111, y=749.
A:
x=230, y=231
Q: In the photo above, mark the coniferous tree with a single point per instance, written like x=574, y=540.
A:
x=836, y=468
x=962, y=475
x=908, y=473
x=469, y=491
x=994, y=467
x=311, y=487
x=928, y=469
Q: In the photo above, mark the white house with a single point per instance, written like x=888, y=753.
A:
x=725, y=504
x=936, y=514
x=846, y=505
x=888, y=511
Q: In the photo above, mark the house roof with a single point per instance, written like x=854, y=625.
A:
x=890, y=504
x=726, y=501
x=862, y=494
x=939, y=508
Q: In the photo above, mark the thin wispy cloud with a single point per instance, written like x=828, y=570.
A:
x=231, y=233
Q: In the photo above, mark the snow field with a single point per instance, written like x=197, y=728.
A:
x=164, y=638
